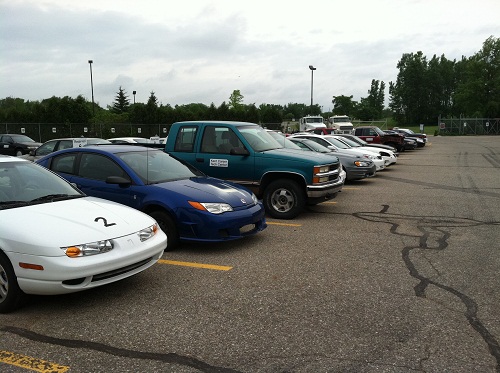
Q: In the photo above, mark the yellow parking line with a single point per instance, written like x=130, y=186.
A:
x=283, y=224
x=329, y=202
x=350, y=188
x=31, y=363
x=196, y=265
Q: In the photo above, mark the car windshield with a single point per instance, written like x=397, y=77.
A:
x=156, y=166
x=21, y=138
x=316, y=147
x=284, y=141
x=259, y=139
x=339, y=144
x=26, y=183
x=350, y=142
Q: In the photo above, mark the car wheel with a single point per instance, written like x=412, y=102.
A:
x=168, y=226
x=284, y=199
x=10, y=293
x=19, y=152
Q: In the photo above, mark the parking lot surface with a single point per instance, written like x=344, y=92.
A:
x=399, y=273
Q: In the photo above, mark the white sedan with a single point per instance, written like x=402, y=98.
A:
x=56, y=240
x=388, y=156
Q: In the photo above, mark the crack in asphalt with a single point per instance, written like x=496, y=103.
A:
x=170, y=358
x=434, y=237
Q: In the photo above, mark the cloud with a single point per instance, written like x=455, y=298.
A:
x=201, y=51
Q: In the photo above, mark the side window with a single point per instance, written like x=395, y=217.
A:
x=209, y=140
x=99, y=167
x=227, y=140
x=46, y=148
x=372, y=132
x=185, y=139
x=63, y=163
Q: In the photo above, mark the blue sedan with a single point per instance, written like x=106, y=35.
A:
x=187, y=204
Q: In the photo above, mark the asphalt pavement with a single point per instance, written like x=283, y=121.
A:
x=399, y=273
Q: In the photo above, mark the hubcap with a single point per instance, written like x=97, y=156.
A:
x=282, y=200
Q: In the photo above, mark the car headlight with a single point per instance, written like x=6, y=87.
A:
x=87, y=249
x=362, y=163
x=369, y=156
x=147, y=233
x=255, y=199
x=214, y=208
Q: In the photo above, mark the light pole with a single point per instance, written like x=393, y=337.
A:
x=312, y=68
x=92, y=88
x=134, y=92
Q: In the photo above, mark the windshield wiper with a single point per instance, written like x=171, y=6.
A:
x=56, y=197
x=12, y=204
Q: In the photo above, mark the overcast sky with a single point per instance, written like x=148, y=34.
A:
x=194, y=51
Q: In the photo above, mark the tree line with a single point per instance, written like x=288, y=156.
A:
x=423, y=91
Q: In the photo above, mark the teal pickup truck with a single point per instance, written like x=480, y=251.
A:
x=285, y=179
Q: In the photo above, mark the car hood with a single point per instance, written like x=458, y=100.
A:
x=64, y=223
x=208, y=189
x=30, y=144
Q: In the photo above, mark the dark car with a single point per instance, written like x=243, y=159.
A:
x=362, y=142
x=355, y=166
x=408, y=133
x=11, y=144
x=187, y=204
x=411, y=143
x=59, y=144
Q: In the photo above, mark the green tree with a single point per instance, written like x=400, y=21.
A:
x=343, y=105
x=122, y=102
x=408, y=95
x=235, y=99
x=151, y=109
x=478, y=90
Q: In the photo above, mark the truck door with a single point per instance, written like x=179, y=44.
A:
x=222, y=154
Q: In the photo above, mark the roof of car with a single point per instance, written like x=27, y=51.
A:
x=9, y=158
x=232, y=123
x=112, y=148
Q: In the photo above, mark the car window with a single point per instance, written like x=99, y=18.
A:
x=185, y=139
x=157, y=166
x=63, y=163
x=99, y=167
x=27, y=181
x=46, y=148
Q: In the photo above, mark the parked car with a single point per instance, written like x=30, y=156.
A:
x=56, y=240
x=375, y=135
x=17, y=145
x=285, y=179
x=355, y=166
x=388, y=156
x=188, y=205
x=59, y=144
x=129, y=140
x=362, y=142
x=410, y=134
x=331, y=142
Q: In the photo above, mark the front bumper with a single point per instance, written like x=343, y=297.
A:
x=328, y=190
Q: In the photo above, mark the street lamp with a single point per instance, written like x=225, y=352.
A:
x=312, y=68
x=92, y=87
x=134, y=92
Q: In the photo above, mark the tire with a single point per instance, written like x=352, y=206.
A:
x=18, y=152
x=284, y=199
x=11, y=295
x=168, y=226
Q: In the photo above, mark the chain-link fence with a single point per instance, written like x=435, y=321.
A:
x=42, y=132
x=469, y=126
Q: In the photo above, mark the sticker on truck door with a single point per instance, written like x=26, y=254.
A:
x=219, y=162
